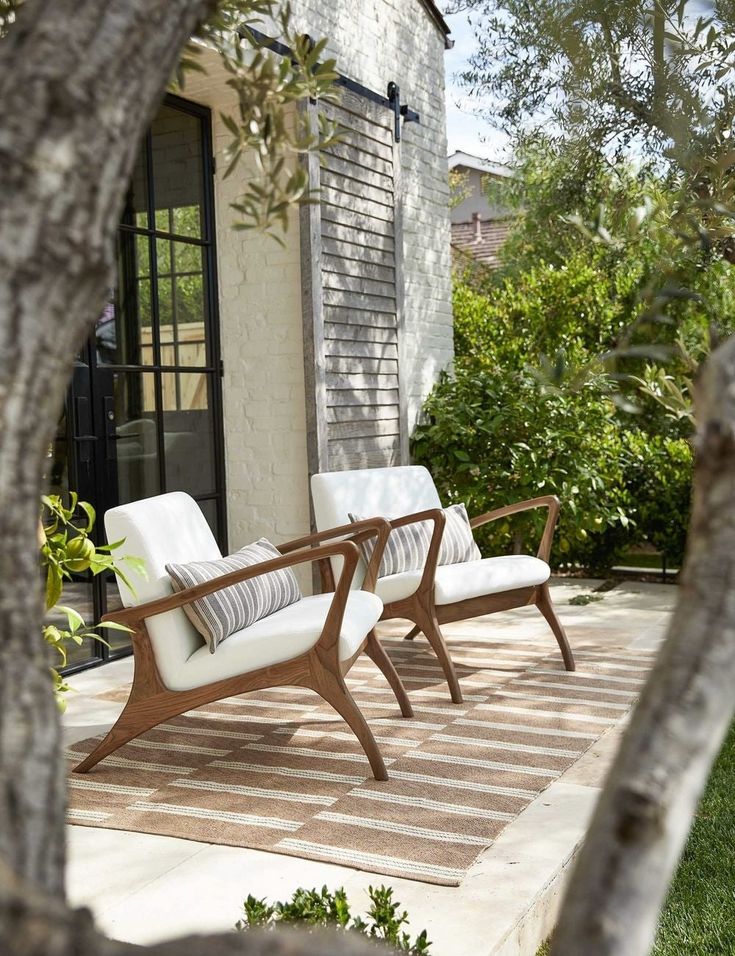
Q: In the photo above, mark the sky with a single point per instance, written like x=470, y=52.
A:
x=465, y=131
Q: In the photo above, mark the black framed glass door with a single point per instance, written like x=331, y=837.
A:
x=144, y=413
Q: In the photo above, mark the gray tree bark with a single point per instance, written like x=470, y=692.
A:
x=78, y=84
x=645, y=811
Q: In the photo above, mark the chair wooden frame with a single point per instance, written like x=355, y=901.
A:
x=319, y=669
x=427, y=616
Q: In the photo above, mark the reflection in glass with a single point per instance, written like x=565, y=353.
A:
x=136, y=436
x=118, y=640
x=188, y=433
x=56, y=472
x=186, y=221
x=135, y=212
x=133, y=429
x=124, y=331
x=165, y=310
x=181, y=303
x=209, y=510
x=177, y=172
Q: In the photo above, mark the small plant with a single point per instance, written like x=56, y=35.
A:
x=66, y=549
x=581, y=600
x=383, y=922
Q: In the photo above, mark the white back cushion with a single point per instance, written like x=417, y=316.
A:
x=383, y=492
x=166, y=529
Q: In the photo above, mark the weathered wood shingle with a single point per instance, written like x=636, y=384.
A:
x=360, y=298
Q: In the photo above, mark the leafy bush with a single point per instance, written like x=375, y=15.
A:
x=575, y=283
x=582, y=600
x=490, y=438
x=384, y=922
x=575, y=307
x=552, y=190
x=658, y=477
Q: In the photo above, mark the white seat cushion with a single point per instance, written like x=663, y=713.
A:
x=396, y=587
x=460, y=582
x=164, y=529
x=386, y=492
x=279, y=637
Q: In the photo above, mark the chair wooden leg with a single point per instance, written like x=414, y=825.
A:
x=430, y=626
x=334, y=690
x=128, y=726
x=415, y=630
x=544, y=604
x=376, y=652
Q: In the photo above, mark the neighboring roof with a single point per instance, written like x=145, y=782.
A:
x=459, y=158
x=481, y=244
x=436, y=15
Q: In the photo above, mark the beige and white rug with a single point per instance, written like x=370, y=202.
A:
x=280, y=771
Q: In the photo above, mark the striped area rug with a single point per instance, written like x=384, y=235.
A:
x=279, y=771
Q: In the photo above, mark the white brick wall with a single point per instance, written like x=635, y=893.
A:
x=262, y=349
x=374, y=41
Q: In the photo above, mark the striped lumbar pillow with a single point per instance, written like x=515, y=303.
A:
x=221, y=613
x=408, y=546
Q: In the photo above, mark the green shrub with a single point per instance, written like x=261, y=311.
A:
x=560, y=301
x=384, y=921
x=491, y=438
x=658, y=477
x=575, y=307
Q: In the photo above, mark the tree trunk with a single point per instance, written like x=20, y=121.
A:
x=79, y=81
x=645, y=811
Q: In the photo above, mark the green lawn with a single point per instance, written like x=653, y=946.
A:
x=699, y=916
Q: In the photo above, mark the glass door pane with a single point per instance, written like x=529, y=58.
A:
x=151, y=406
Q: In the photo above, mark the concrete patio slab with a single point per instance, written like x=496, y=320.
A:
x=144, y=888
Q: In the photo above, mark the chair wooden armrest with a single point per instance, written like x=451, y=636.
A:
x=356, y=531
x=546, y=501
x=133, y=617
x=440, y=519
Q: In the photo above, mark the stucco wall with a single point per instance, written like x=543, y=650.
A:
x=475, y=199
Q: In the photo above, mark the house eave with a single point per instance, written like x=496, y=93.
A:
x=435, y=14
x=468, y=161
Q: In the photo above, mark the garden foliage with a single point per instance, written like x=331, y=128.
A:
x=384, y=922
x=67, y=550
x=493, y=437
x=569, y=379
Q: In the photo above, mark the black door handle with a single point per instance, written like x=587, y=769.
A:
x=110, y=426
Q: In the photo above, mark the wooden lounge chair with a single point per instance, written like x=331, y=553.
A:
x=312, y=643
x=436, y=595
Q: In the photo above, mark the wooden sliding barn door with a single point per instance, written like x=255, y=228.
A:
x=351, y=275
